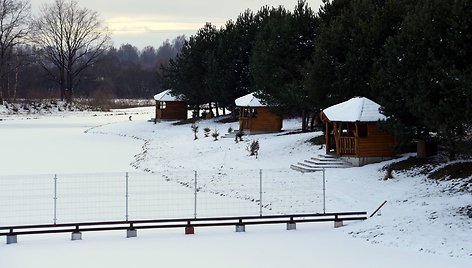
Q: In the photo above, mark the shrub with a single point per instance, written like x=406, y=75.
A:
x=215, y=134
x=206, y=131
x=230, y=129
x=239, y=136
x=194, y=127
x=253, y=148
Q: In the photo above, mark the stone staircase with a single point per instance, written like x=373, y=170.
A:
x=319, y=162
x=229, y=135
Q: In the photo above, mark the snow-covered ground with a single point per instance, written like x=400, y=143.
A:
x=420, y=226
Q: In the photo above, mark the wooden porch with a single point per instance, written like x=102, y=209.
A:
x=341, y=138
x=347, y=146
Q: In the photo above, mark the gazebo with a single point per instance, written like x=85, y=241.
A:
x=353, y=133
x=256, y=117
x=170, y=107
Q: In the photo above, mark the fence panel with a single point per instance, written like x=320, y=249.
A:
x=159, y=195
x=26, y=199
x=90, y=197
x=228, y=193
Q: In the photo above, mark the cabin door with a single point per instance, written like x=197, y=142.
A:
x=330, y=139
x=246, y=123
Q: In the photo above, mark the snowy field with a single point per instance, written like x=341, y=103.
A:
x=420, y=226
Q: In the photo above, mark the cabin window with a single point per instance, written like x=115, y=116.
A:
x=162, y=105
x=362, y=130
x=346, y=129
x=249, y=112
x=253, y=112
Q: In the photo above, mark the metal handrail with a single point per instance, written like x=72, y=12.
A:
x=179, y=222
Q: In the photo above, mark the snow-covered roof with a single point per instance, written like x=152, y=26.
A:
x=249, y=100
x=167, y=96
x=356, y=109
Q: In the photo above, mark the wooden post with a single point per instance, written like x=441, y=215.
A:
x=336, y=137
x=328, y=146
x=356, y=140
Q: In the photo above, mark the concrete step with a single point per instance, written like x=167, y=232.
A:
x=231, y=135
x=328, y=156
x=321, y=163
x=323, y=159
x=304, y=164
x=320, y=158
x=304, y=169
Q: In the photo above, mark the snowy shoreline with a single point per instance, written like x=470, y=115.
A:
x=420, y=217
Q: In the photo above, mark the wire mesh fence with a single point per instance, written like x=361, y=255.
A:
x=63, y=198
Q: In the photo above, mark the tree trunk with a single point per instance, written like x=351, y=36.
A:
x=70, y=80
x=304, y=120
x=217, y=109
x=14, y=88
x=312, y=121
x=62, y=83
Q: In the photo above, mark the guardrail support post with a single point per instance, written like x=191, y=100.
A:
x=240, y=227
x=11, y=238
x=76, y=234
x=291, y=225
x=131, y=232
x=337, y=222
x=189, y=229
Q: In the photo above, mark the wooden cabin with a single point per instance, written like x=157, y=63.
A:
x=170, y=107
x=256, y=117
x=353, y=133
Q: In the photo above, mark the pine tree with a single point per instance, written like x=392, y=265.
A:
x=282, y=48
x=424, y=75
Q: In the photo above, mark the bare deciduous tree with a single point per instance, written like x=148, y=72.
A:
x=71, y=39
x=13, y=29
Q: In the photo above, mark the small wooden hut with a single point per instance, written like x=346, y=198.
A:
x=256, y=117
x=353, y=133
x=170, y=107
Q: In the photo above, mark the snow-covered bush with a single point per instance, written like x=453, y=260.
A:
x=194, y=127
x=239, y=136
x=253, y=148
x=215, y=134
x=206, y=131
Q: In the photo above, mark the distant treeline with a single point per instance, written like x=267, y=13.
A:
x=412, y=57
x=124, y=72
x=64, y=51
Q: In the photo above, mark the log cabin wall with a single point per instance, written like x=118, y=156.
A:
x=359, y=139
x=172, y=110
x=377, y=143
x=260, y=119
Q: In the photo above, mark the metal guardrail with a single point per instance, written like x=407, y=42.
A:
x=13, y=231
x=377, y=210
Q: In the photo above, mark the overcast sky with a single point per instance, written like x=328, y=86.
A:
x=150, y=22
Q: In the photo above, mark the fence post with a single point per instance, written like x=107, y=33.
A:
x=127, y=196
x=324, y=191
x=260, y=192
x=195, y=197
x=55, y=199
